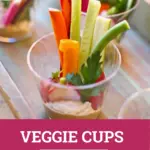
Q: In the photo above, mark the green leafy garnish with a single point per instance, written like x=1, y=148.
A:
x=87, y=93
x=56, y=75
x=74, y=79
x=91, y=71
x=120, y=6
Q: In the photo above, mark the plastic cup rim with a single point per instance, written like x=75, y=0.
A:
x=131, y=98
x=109, y=78
x=122, y=13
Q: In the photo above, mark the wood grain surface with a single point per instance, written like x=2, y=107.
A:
x=5, y=112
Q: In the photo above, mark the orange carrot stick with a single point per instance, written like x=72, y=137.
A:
x=66, y=10
x=59, y=27
x=104, y=7
x=70, y=49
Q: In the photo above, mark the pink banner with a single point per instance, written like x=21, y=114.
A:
x=74, y=134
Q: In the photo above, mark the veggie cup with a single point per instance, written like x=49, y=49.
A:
x=67, y=101
x=15, y=20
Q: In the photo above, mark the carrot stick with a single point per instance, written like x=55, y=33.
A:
x=66, y=10
x=104, y=7
x=70, y=49
x=59, y=27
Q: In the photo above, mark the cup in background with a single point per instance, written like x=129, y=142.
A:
x=116, y=18
x=136, y=106
x=20, y=28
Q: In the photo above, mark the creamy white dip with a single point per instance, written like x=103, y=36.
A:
x=76, y=108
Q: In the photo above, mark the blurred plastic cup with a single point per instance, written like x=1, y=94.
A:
x=116, y=18
x=137, y=106
x=64, y=102
x=20, y=28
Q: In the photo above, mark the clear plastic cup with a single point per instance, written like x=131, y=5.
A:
x=20, y=28
x=116, y=17
x=66, y=102
x=137, y=106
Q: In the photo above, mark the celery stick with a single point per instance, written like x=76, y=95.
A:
x=75, y=20
x=113, y=10
x=102, y=25
x=86, y=41
x=111, y=34
x=129, y=4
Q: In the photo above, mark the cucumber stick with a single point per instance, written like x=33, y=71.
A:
x=75, y=20
x=129, y=4
x=86, y=41
x=102, y=25
x=111, y=34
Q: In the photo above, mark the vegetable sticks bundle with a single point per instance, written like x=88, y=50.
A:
x=66, y=25
x=78, y=55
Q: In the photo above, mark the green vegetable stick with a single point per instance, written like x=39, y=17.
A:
x=102, y=25
x=111, y=34
x=75, y=20
x=86, y=41
x=113, y=10
x=129, y=4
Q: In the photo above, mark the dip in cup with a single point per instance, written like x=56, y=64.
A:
x=64, y=101
x=74, y=67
